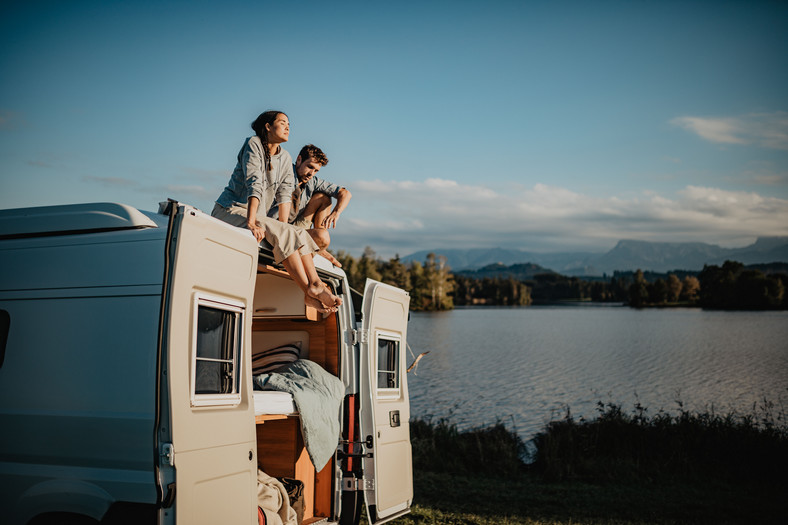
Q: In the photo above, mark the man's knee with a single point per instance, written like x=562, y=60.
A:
x=321, y=237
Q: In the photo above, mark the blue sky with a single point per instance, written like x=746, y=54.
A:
x=544, y=126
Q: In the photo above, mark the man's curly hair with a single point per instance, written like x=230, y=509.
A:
x=310, y=150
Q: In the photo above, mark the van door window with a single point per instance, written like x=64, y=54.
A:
x=388, y=365
x=216, y=350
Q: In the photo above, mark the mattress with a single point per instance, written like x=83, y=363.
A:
x=273, y=402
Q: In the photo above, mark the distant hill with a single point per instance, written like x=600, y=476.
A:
x=627, y=255
x=567, y=263
x=521, y=272
x=475, y=258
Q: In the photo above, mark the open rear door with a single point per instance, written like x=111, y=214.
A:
x=385, y=409
x=206, y=431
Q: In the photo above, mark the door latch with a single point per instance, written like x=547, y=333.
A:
x=168, y=453
x=353, y=484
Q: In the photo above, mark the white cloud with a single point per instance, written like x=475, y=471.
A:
x=715, y=130
x=765, y=173
x=771, y=179
x=421, y=215
x=767, y=130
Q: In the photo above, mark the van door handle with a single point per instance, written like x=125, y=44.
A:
x=394, y=418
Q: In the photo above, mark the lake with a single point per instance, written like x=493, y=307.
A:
x=525, y=365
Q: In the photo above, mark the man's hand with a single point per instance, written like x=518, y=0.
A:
x=343, y=198
x=331, y=220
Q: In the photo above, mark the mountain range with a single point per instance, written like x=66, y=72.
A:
x=627, y=255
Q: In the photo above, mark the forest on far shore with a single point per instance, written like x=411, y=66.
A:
x=433, y=286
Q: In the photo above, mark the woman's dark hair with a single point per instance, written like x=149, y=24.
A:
x=259, y=129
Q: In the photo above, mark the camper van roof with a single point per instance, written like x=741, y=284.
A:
x=71, y=218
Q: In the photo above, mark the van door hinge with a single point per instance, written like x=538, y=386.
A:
x=168, y=453
x=359, y=336
x=351, y=484
x=351, y=446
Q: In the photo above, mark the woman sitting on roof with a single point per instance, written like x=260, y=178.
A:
x=264, y=174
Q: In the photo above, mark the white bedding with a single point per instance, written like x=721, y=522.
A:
x=273, y=402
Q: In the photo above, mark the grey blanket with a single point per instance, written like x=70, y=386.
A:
x=318, y=396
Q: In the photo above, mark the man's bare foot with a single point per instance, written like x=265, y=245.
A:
x=324, y=295
x=317, y=305
x=333, y=260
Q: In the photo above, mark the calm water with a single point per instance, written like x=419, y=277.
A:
x=524, y=366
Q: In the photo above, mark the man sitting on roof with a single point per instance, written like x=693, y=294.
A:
x=311, y=199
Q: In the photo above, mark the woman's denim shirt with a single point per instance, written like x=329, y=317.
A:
x=249, y=178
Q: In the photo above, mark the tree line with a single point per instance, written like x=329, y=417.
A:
x=734, y=286
x=433, y=286
x=430, y=284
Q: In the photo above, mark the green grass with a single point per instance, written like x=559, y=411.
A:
x=616, y=469
x=450, y=498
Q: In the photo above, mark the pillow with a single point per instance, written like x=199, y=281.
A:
x=273, y=358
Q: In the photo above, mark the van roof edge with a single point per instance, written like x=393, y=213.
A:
x=71, y=218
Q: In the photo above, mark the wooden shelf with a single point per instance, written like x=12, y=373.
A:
x=314, y=520
x=262, y=418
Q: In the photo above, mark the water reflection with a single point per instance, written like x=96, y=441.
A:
x=525, y=365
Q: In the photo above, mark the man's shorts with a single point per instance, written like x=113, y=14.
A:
x=301, y=222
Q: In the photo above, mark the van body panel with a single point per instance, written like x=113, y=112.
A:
x=69, y=218
x=87, y=261
x=77, y=386
x=385, y=408
x=214, y=444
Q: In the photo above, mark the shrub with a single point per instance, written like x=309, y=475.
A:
x=440, y=447
x=690, y=446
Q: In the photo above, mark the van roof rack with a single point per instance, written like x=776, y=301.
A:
x=70, y=219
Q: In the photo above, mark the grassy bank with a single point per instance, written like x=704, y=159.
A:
x=618, y=468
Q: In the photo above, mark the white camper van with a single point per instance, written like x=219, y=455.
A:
x=126, y=387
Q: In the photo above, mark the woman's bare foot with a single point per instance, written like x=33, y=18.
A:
x=317, y=305
x=333, y=260
x=324, y=295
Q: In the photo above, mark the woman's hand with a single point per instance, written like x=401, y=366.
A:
x=257, y=230
x=251, y=219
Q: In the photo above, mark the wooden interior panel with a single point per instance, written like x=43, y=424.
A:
x=331, y=336
x=280, y=447
x=281, y=453
x=265, y=268
x=323, y=337
x=324, y=489
x=285, y=299
x=305, y=471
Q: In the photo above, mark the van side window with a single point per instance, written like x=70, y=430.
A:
x=388, y=366
x=5, y=325
x=217, y=347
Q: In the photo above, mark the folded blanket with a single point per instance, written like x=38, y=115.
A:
x=318, y=396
